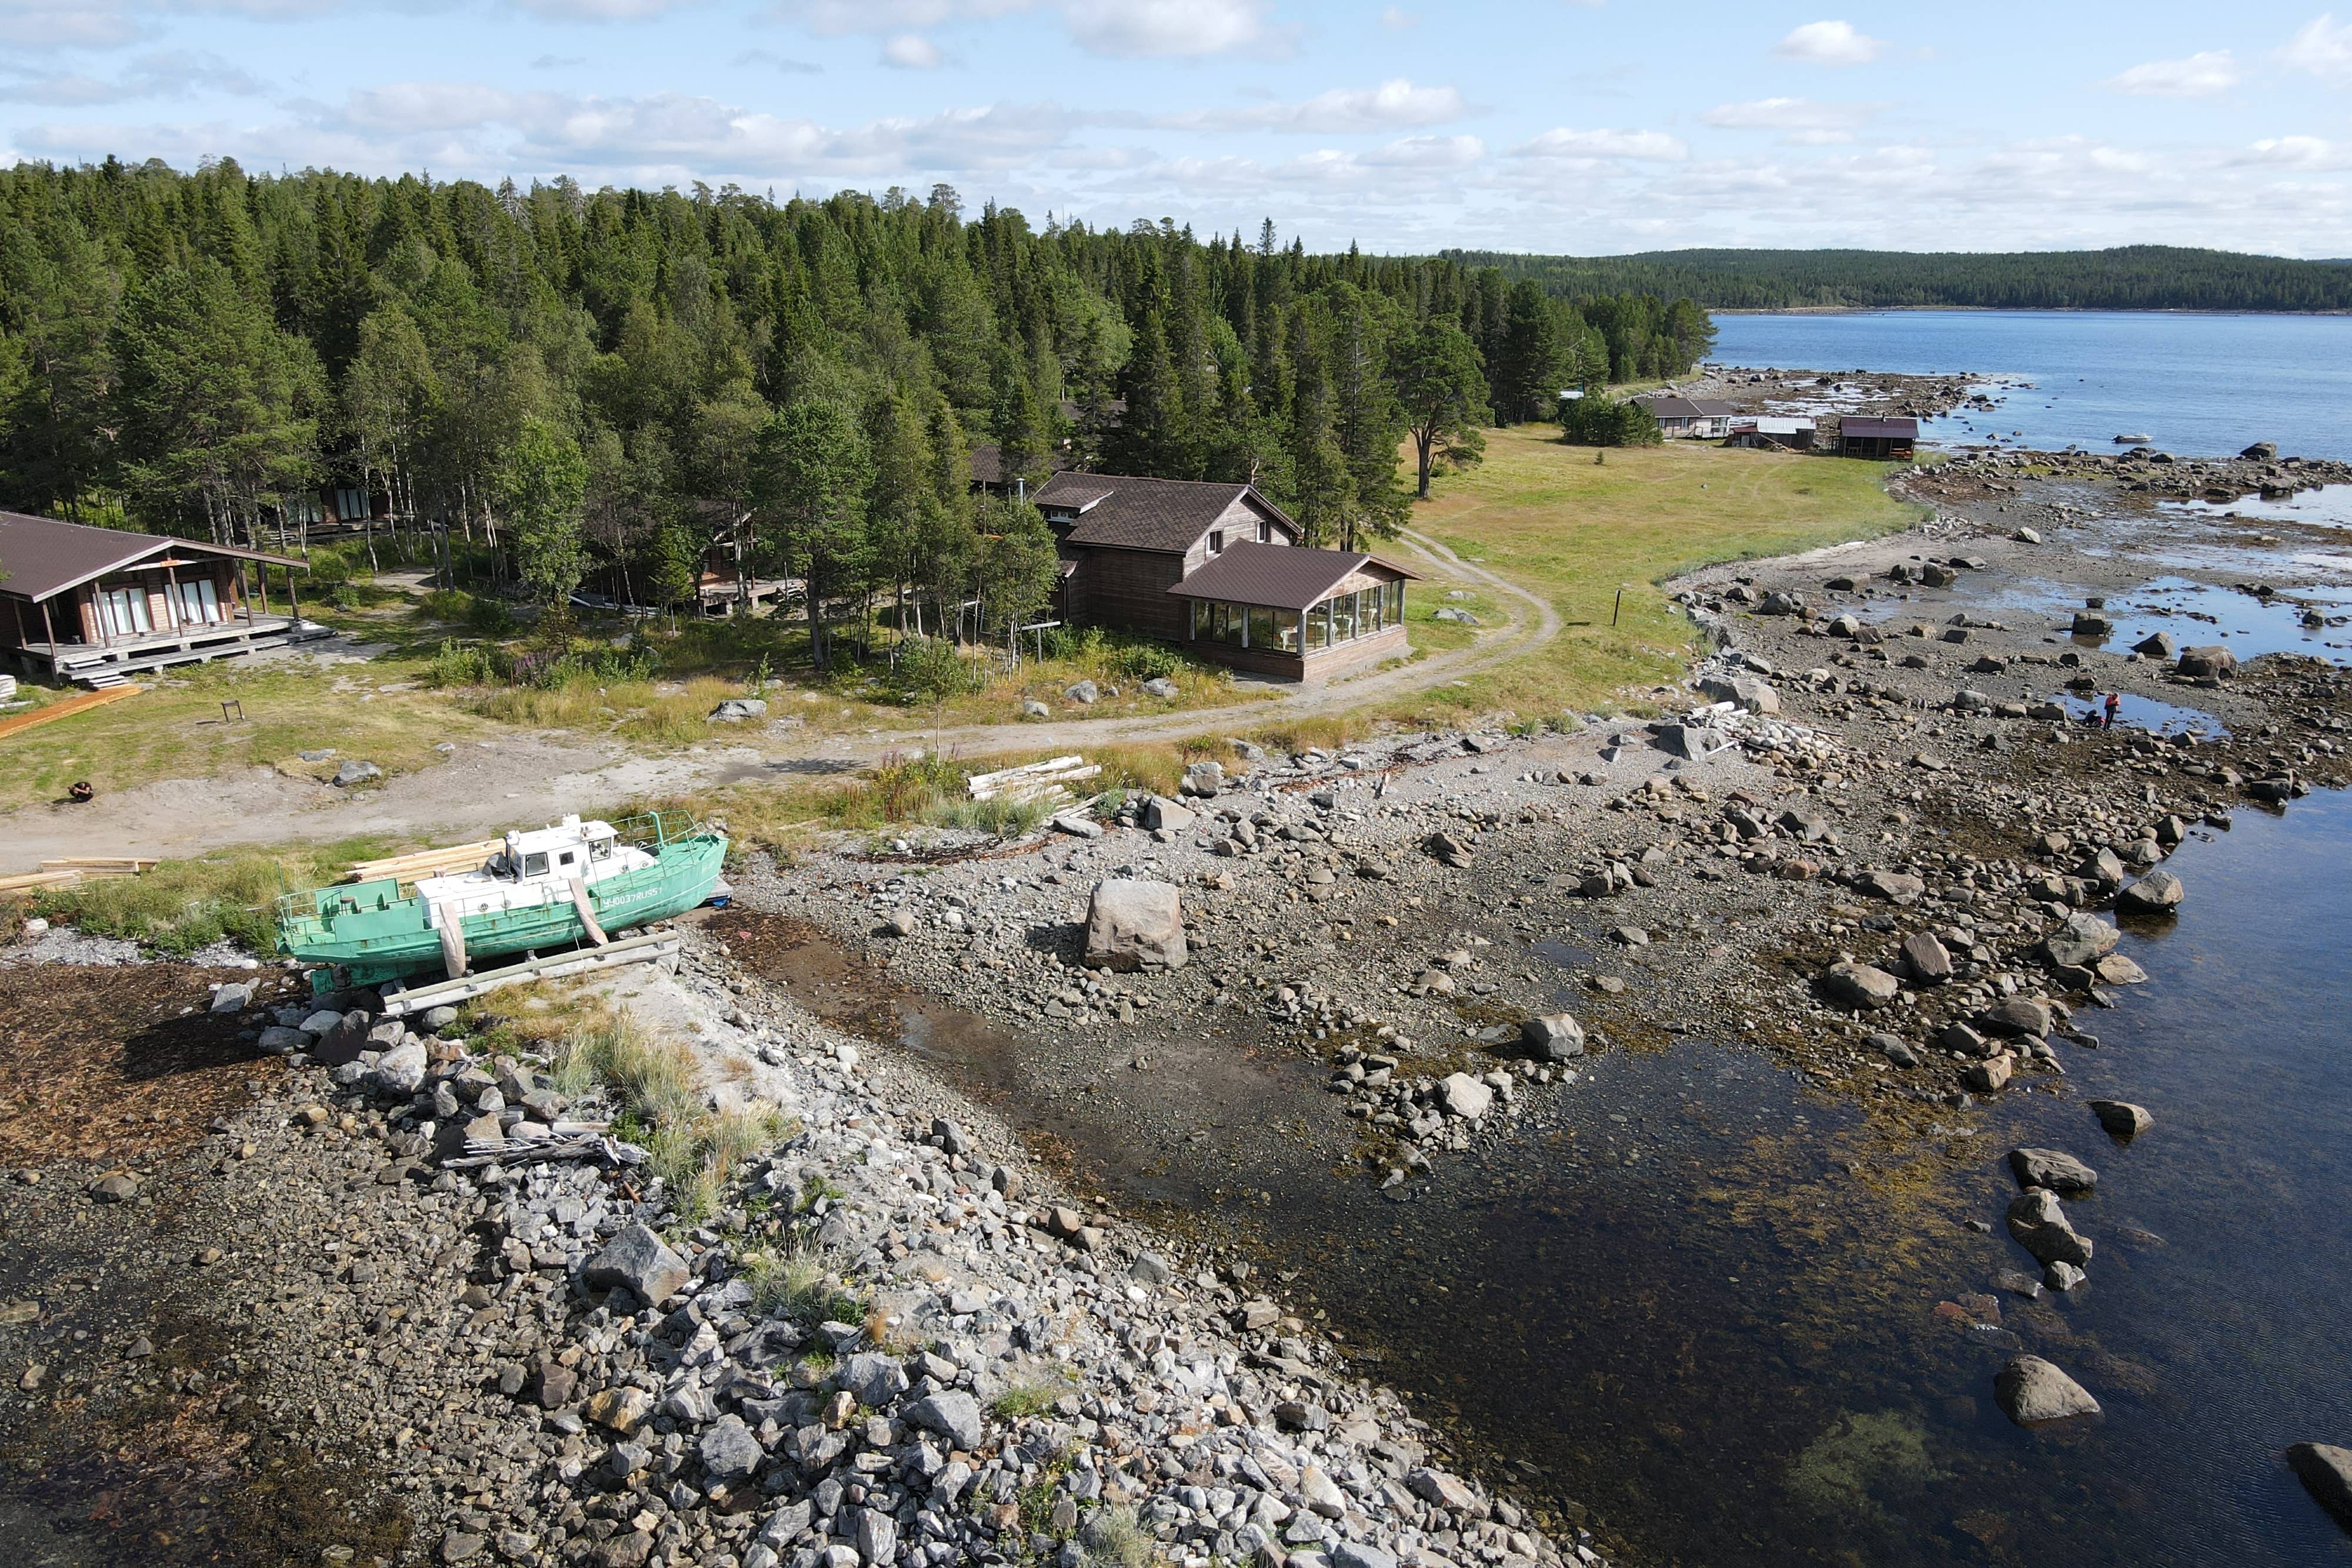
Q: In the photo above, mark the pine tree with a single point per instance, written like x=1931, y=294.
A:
x=1443, y=390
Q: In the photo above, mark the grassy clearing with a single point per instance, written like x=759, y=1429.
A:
x=1552, y=518
x=182, y=905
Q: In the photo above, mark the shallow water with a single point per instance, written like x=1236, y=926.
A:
x=2202, y=385
x=1700, y=1299
x=2194, y=613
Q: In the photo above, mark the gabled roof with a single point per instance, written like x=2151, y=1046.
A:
x=1878, y=429
x=1122, y=511
x=1278, y=576
x=1667, y=406
x=43, y=557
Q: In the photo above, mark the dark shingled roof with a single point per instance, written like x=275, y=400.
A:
x=987, y=464
x=1669, y=407
x=1879, y=429
x=1278, y=577
x=1124, y=512
x=43, y=557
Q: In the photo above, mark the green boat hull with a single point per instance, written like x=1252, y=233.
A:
x=364, y=933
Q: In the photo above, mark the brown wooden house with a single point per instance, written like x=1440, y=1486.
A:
x=1879, y=439
x=1218, y=568
x=95, y=605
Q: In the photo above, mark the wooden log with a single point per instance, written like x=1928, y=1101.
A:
x=31, y=880
x=16, y=724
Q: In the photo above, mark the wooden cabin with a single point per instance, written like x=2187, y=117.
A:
x=1218, y=568
x=95, y=605
x=1882, y=439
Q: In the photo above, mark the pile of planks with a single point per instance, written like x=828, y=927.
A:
x=66, y=709
x=409, y=868
x=74, y=869
x=1044, y=782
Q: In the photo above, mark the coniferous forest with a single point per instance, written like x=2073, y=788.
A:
x=2129, y=278
x=619, y=378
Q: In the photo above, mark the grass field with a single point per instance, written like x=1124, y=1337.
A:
x=1548, y=517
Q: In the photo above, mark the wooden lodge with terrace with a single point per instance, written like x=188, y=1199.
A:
x=1217, y=569
x=97, y=605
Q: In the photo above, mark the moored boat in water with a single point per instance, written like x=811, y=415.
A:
x=573, y=883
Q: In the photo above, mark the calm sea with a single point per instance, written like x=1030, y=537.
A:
x=2197, y=385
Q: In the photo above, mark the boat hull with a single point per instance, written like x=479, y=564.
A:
x=365, y=933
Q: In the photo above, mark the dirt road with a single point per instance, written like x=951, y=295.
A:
x=531, y=778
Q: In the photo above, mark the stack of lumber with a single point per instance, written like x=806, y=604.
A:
x=1043, y=782
x=73, y=869
x=66, y=709
x=409, y=868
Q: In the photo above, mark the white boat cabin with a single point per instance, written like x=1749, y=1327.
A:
x=534, y=869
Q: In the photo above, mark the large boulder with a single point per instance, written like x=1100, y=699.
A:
x=1895, y=886
x=951, y=1412
x=1465, y=1096
x=2038, y=1222
x=1862, y=987
x=1159, y=811
x=2121, y=1118
x=2157, y=892
x=640, y=1263
x=2031, y=1391
x=400, y=1070
x=2058, y=1171
x=735, y=710
x=1555, y=1037
x=1135, y=924
x=2326, y=1471
x=728, y=1450
x=2210, y=662
x=1930, y=961
x=1694, y=742
x=875, y=1380
x=1203, y=780
x=2017, y=1016
x=2079, y=941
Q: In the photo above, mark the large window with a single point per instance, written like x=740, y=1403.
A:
x=199, y=602
x=1348, y=616
x=1343, y=618
x=1246, y=626
x=122, y=612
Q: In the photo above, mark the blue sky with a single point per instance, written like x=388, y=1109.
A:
x=1548, y=125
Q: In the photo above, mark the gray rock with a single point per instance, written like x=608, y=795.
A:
x=2326, y=1471
x=1160, y=686
x=1861, y=986
x=1159, y=811
x=400, y=1072
x=278, y=1040
x=1083, y=692
x=1465, y=1096
x=1033, y=708
x=2121, y=1117
x=2206, y=663
x=2016, y=1016
x=432, y=1021
x=2038, y=1222
x=1894, y=1048
x=2063, y=1277
x=323, y=1021
x=951, y=1412
x=354, y=771
x=1694, y=742
x=1895, y=887
x=2157, y=892
x=2261, y=452
x=2156, y=645
x=874, y=1380
x=1077, y=824
x=735, y=710
x=899, y=923
x=2079, y=941
x=1929, y=960
x=1135, y=924
x=2051, y=1168
x=877, y=1538
x=2031, y=1390
x=1150, y=1268
x=233, y=997
x=1555, y=1037
x=461, y=1546
x=2027, y=536
x=728, y=1450
x=1990, y=1077
x=640, y=1263
x=1202, y=779
x=1358, y=1554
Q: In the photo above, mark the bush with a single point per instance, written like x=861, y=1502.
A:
x=462, y=664
x=1594, y=420
x=1149, y=661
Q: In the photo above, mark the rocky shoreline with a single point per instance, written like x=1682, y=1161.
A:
x=339, y=1304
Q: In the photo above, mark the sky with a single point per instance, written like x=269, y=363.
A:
x=1586, y=127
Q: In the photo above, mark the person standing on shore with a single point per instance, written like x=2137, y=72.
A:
x=2115, y=706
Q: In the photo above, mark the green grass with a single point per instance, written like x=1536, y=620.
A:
x=182, y=905
x=1547, y=517
x=801, y=1283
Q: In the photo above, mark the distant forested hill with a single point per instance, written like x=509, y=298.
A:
x=2134, y=278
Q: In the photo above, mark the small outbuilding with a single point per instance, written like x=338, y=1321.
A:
x=1785, y=432
x=1690, y=419
x=1886, y=440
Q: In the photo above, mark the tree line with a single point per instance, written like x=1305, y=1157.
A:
x=628, y=379
x=2128, y=278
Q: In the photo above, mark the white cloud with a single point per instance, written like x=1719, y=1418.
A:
x=162, y=75
x=1802, y=122
x=1428, y=152
x=1392, y=105
x=1599, y=146
x=1162, y=29
x=2298, y=152
x=601, y=10
x=1395, y=18
x=2324, y=49
x=1830, y=44
x=777, y=62
x=912, y=52
x=2200, y=75
x=45, y=25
